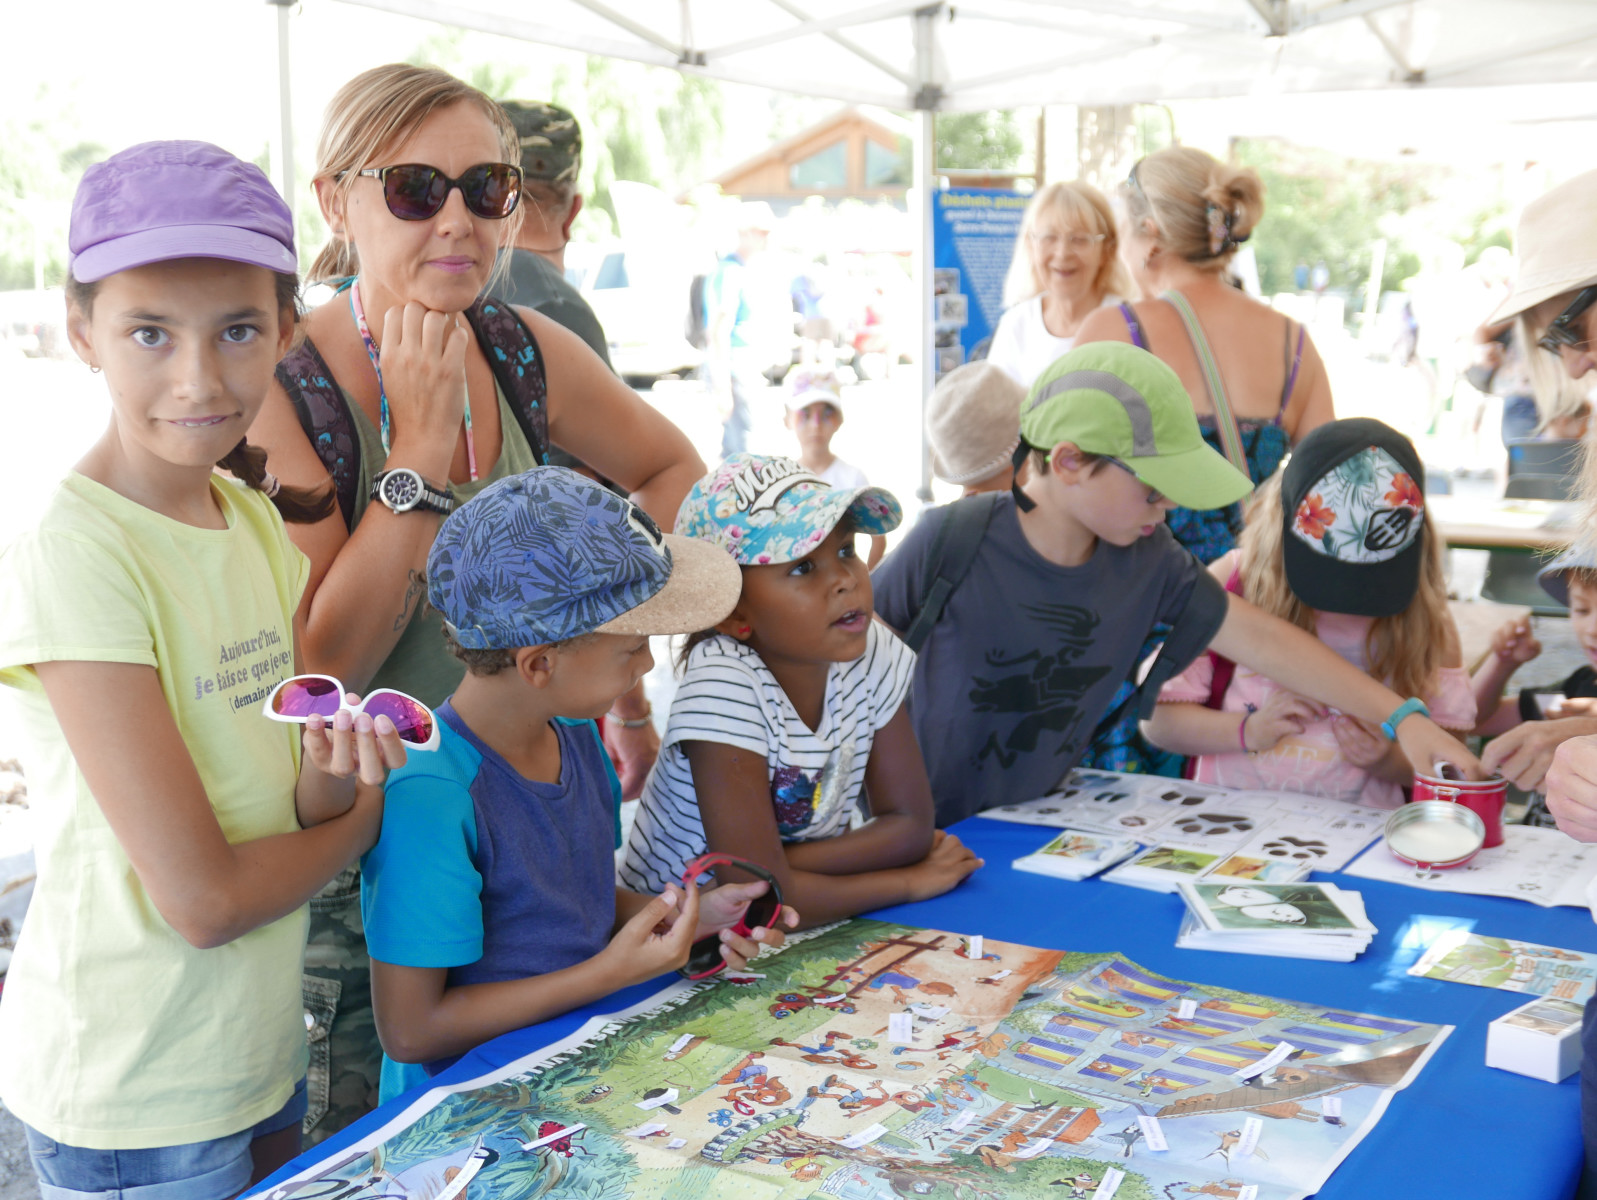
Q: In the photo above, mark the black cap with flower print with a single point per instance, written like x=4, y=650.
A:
x=1353, y=512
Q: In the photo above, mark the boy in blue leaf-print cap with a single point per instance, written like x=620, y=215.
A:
x=496, y=859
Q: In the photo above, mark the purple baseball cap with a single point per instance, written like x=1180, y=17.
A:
x=163, y=200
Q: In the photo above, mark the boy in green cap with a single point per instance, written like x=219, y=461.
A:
x=1049, y=609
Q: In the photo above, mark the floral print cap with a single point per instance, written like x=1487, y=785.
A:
x=1353, y=503
x=765, y=509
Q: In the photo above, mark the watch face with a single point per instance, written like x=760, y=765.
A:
x=402, y=489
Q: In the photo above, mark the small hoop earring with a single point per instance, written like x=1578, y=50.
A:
x=94, y=369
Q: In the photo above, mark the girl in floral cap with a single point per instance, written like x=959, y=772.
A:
x=1337, y=543
x=792, y=708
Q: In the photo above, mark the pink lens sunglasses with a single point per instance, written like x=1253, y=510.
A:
x=301, y=697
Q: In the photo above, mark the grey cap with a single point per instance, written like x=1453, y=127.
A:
x=1579, y=556
x=551, y=140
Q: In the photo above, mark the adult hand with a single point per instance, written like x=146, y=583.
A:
x=1525, y=752
x=1282, y=715
x=1513, y=642
x=424, y=371
x=943, y=868
x=1427, y=743
x=1571, y=785
x=354, y=745
x=1361, y=743
x=633, y=752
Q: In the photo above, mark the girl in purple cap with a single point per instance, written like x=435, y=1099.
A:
x=152, y=1012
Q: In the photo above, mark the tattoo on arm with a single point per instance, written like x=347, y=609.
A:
x=413, y=588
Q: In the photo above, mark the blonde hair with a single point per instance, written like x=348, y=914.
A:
x=376, y=112
x=1075, y=205
x=1405, y=651
x=1202, y=208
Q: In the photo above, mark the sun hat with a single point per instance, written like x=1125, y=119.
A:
x=549, y=554
x=811, y=385
x=1352, y=511
x=1554, y=577
x=973, y=422
x=1114, y=399
x=1555, y=246
x=163, y=200
x=551, y=140
x=763, y=509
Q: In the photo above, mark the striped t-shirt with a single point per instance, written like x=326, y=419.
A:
x=728, y=695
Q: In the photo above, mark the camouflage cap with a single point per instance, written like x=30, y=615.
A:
x=551, y=140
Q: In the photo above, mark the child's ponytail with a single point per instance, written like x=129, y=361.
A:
x=298, y=506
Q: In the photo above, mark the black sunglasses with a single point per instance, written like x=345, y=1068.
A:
x=416, y=192
x=1561, y=332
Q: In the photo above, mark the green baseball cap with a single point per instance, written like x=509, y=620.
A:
x=1113, y=399
x=551, y=140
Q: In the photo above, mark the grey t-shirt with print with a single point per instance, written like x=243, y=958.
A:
x=1022, y=665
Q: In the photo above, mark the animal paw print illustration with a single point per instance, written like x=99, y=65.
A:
x=1214, y=824
x=1184, y=799
x=1529, y=887
x=1297, y=849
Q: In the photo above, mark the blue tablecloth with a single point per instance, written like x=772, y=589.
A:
x=1460, y=1129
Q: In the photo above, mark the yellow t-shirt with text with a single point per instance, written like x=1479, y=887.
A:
x=115, y=1033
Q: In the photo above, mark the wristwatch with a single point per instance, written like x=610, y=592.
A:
x=403, y=489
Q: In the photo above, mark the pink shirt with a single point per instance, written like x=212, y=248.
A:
x=1309, y=763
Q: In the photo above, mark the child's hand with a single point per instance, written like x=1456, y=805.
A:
x=1525, y=752
x=722, y=907
x=1362, y=744
x=657, y=938
x=1283, y=714
x=1514, y=642
x=1426, y=743
x=1572, y=706
x=355, y=746
x=943, y=869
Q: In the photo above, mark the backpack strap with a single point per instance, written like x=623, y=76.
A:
x=1224, y=422
x=325, y=417
x=517, y=364
x=964, y=525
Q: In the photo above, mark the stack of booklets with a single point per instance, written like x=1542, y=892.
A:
x=1286, y=920
x=1076, y=855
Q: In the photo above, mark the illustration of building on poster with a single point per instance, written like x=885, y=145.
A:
x=875, y=1060
x=1460, y=956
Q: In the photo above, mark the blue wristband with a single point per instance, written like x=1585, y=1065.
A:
x=1406, y=709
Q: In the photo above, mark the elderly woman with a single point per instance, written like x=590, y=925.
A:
x=413, y=395
x=1257, y=383
x=1066, y=264
x=1555, y=301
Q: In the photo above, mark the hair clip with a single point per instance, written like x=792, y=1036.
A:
x=1219, y=222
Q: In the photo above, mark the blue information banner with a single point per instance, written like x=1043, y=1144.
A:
x=974, y=231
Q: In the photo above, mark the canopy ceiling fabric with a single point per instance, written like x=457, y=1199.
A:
x=993, y=54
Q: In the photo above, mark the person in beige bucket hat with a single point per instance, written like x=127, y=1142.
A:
x=973, y=424
x=1555, y=285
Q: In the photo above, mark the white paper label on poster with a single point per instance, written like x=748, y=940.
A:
x=1275, y=1058
x=1033, y=1149
x=680, y=1044
x=676, y=1143
x=830, y=999
x=1151, y=1133
x=1187, y=1009
x=864, y=1137
x=1004, y=974
x=1331, y=1106
x=901, y=1028
x=1249, y=1192
x=1252, y=1128
x=966, y=1116
x=743, y=976
x=649, y=1130
x=1112, y=1178
x=976, y=948
x=669, y=1096
x=932, y=1012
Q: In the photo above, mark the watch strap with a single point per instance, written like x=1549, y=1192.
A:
x=431, y=499
x=1404, y=710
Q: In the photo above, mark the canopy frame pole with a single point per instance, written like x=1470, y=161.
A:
x=928, y=97
x=285, y=105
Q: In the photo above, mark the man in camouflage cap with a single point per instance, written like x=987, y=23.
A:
x=551, y=159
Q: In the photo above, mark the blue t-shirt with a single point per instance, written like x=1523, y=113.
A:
x=488, y=873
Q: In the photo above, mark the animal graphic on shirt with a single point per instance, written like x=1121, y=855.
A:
x=1046, y=694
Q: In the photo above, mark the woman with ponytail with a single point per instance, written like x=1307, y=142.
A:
x=152, y=1014
x=1256, y=380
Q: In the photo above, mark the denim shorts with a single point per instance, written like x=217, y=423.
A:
x=212, y=1170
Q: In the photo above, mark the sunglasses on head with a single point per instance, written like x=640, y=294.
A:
x=705, y=958
x=415, y=192
x=300, y=697
x=1561, y=332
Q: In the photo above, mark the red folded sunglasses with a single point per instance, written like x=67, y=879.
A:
x=705, y=958
x=301, y=697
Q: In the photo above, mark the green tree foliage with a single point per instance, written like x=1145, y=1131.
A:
x=42, y=157
x=973, y=141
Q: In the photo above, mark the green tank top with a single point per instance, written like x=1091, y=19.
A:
x=419, y=664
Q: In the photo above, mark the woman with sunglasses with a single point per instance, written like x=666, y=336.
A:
x=1066, y=263
x=1554, y=302
x=416, y=182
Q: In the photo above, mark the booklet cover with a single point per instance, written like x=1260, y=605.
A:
x=1261, y=907
x=1460, y=956
x=1076, y=855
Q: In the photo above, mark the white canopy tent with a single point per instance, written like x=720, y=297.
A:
x=930, y=56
